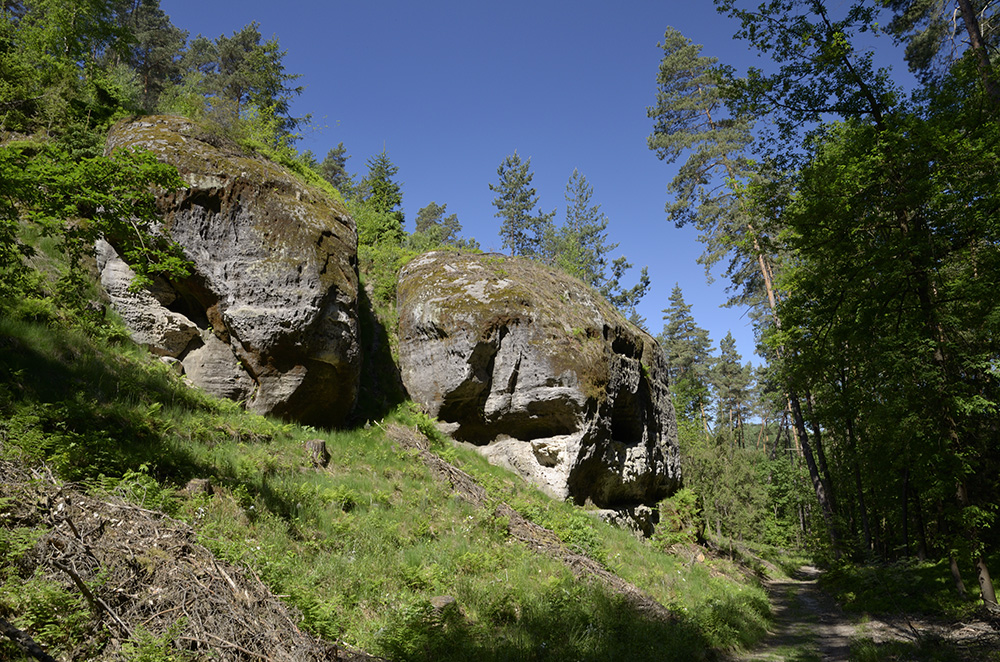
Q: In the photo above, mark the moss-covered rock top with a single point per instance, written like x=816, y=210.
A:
x=478, y=293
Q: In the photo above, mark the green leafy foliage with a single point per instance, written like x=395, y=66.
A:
x=57, y=617
x=680, y=519
x=76, y=202
x=863, y=235
x=923, y=587
x=147, y=647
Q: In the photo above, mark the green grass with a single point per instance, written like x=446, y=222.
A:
x=928, y=649
x=907, y=585
x=360, y=547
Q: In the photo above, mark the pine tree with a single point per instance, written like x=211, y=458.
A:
x=432, y=219
x=690, y=117
x=242, y=76
x=624, y=299
x=580, y=246
x=929, y=29
x=156, y=47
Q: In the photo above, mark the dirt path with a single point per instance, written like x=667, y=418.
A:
x=808, y=624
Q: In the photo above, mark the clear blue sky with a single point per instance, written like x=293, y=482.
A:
x=450, y=87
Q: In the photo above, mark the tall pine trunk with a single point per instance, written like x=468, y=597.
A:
x=852, y=446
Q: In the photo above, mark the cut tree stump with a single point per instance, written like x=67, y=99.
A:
x=317, y=451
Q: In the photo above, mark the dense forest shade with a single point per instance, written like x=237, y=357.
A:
x=861, y=223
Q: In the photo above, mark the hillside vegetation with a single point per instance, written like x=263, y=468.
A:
x=108, y=550
x=858, y=221
x=360, y=547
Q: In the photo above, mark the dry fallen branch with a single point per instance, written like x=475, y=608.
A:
x=95, y=602
x=24, y=642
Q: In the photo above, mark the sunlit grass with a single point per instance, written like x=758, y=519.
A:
x=361, y=546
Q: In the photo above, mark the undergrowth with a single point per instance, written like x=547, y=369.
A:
x=360, y=547
x=917, y=586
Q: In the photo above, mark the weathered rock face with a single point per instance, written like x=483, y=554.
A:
x=540, y=373
x=270, y=314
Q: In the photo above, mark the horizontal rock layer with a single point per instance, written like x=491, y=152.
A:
x=269, y=315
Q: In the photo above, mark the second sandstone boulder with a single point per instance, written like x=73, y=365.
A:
x=542, y=374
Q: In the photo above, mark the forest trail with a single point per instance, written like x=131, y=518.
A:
x=808, y=624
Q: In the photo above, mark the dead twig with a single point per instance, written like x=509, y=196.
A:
x=94, y=601
x=24, y=642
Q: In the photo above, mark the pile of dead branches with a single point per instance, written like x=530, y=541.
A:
x=143, y=572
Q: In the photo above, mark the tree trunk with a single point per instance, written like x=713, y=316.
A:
x=852, y=446
x=906, y=514
x=926, y=290
x=921, y=530
x=820, y=489
x=980, y=52
x=956, y=576
x=986, y=590
x=824, y=470
x=986, y=584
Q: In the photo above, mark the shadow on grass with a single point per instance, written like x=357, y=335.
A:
x=89, y=412
x=582, y=623
x=381, y=389
x=905, y=585
x=926, y=650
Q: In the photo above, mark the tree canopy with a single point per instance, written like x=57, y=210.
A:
x=863, y=231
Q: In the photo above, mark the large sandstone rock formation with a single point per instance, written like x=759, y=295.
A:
x=542, y=374
x=270, y=314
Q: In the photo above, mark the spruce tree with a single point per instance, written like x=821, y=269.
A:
x=380, y=198
x=687, y=347
x=333, y=169
x=521, y=230
x=730, y=380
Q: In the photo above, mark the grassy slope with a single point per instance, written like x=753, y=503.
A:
x=361, y=546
